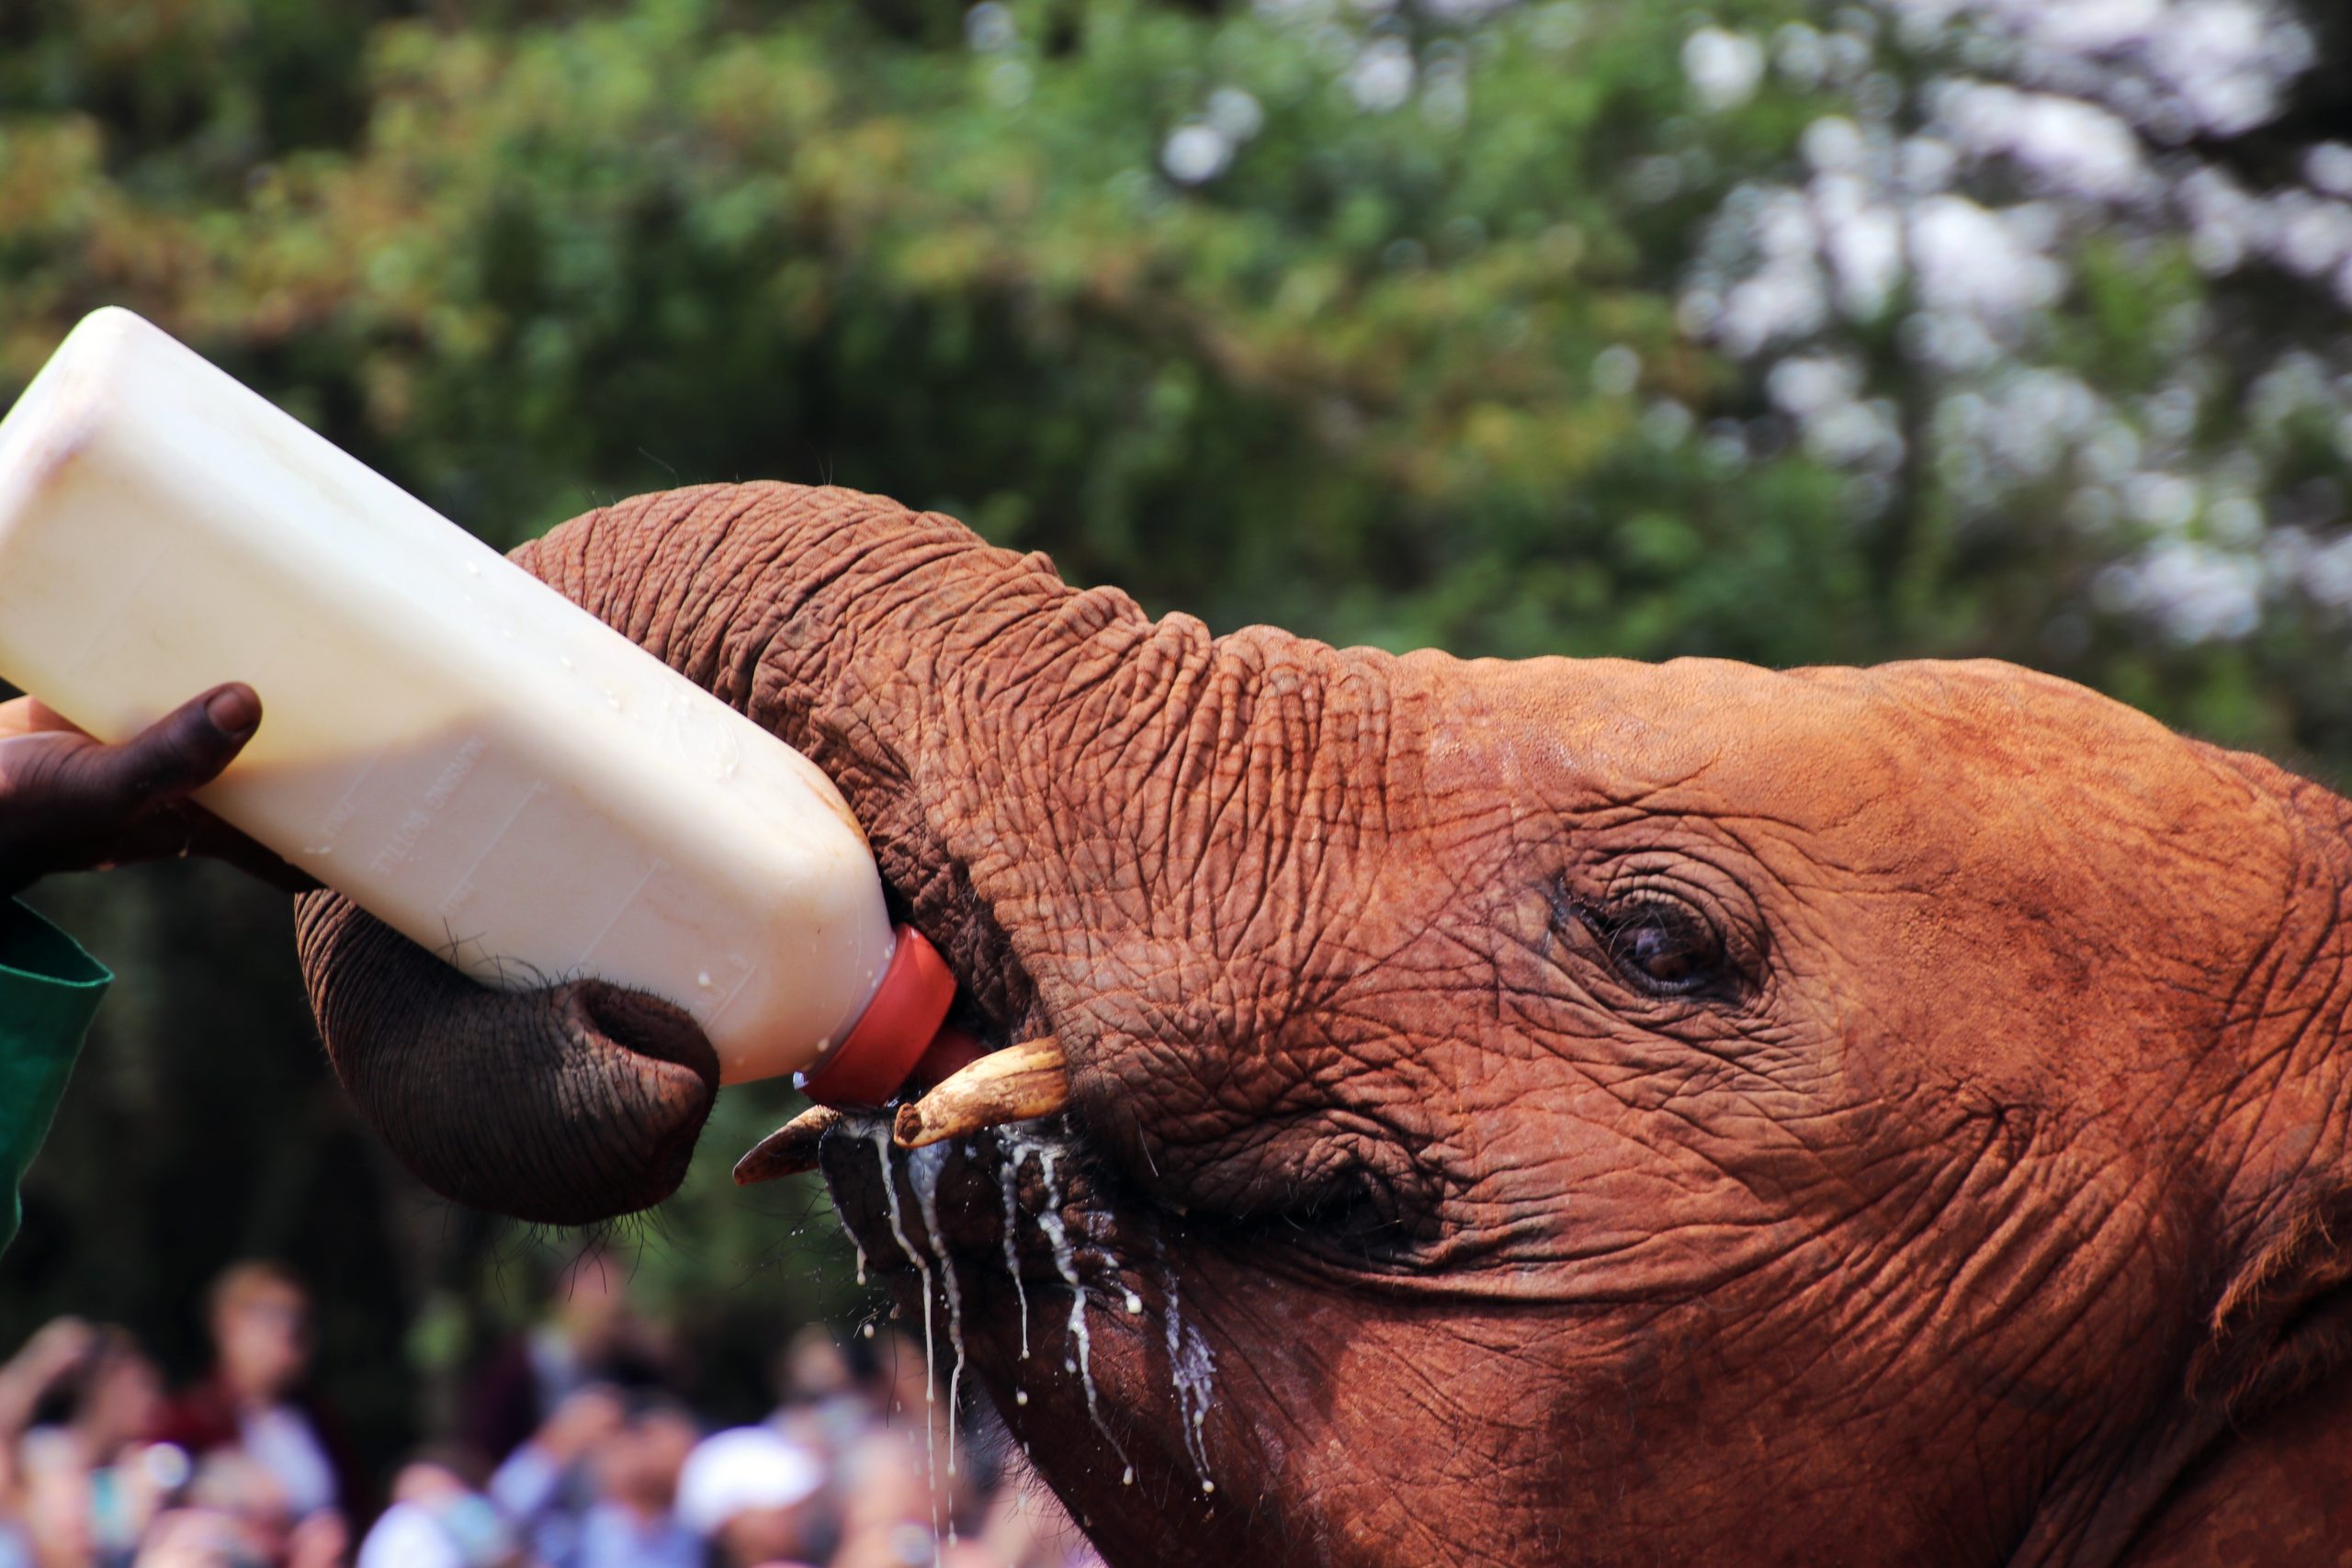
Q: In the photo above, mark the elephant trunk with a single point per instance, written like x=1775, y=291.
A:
x=561, y=1106
x=913, y=663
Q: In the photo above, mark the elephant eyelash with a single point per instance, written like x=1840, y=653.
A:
x=1657, y=944
x=1357, y=1208
x=1362, y=1217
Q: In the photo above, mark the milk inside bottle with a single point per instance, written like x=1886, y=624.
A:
x=447, y=741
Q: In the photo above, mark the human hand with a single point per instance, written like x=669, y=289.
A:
x=196, y=1538
x=579, y=1423
x=72, y=803
x=54, y=1349
x=322, y=1540
x=887, y=1546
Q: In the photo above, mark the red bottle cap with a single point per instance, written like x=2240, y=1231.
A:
x=897, y=1026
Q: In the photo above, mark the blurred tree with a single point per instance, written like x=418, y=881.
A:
x=1788, y=333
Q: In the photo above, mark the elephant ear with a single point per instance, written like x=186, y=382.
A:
x=2284, y=1319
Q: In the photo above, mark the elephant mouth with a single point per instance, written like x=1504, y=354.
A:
x=1028, y=1264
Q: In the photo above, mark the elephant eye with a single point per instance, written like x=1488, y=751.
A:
x=1358, y=1209
x=1661, y=946
x=1364, y=1218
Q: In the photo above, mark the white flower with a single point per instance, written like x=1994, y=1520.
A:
x=1724, y=68
x=1382, y=77
x=2078, y=147
x=2194, y=592
x=1968, y=258
x=1195, y=153
x=988, y=27
x=1235, y=115
x=1616, y=371
x=1805, y=386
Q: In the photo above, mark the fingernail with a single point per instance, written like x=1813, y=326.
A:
x=234, y=711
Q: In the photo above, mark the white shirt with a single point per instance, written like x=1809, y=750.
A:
x=407, y=1537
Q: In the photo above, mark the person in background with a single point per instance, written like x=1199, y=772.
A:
x=901, y=1471
x=889, y=1510
x=548, y=1483
x=81, y=1487
x=69, y=803
x=824, y=1407
x=254, y=1401
x=596, y=1485
x=591, y=1334
x=438, y=1519
x=748, y=1492
x=99, y=1465
x=198, y=1537
x=232, y=1485
x=235, y=1516
x=634, y=1522
x=31, y=1515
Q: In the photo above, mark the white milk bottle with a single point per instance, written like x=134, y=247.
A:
x=447, y=741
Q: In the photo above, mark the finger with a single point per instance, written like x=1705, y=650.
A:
x=182, y=751
x=40, y=716
x=29, y=716
x=160, y=834
x=215, y=839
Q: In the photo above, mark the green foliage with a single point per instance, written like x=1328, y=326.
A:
x=1349, y=387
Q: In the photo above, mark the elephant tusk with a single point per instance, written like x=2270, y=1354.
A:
x=790, y=1150
x=1016, y=1083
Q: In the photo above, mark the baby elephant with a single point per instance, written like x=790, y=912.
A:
x=1519, y=1113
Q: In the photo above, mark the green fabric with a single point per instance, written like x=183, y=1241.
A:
x=48, y=989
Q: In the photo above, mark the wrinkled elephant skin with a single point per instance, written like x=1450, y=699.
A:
x=1521, y=1112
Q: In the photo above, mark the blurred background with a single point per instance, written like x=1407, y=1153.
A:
x=1771, y=330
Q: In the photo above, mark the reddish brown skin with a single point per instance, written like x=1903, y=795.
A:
x=1991, y=1203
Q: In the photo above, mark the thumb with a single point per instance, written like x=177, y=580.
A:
x=182, y=751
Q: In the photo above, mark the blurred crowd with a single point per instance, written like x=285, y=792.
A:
x=573, y=1451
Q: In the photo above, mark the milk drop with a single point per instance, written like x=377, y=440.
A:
x=1049, y=1220
x=1017, y=1152
x=879, y=1132
x=922, y=1165
x=1192, y=1367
